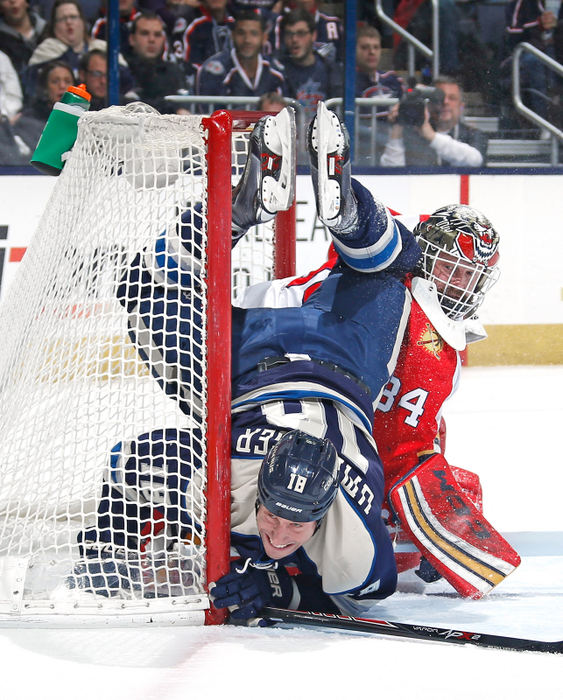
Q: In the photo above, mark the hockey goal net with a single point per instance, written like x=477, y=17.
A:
x=114, y=493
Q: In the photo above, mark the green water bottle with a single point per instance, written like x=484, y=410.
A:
x=60, y=131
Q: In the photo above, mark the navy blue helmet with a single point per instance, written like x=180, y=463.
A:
x=299, y=478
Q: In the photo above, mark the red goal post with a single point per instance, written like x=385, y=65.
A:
x=80, y=394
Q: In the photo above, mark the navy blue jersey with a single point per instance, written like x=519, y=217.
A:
x=310, y=84
x=222, y=74
x=329, y=40
x=523, y=23
x=352, y=321
x=202, y=38
x=350, y=557
x=386, y=84
x=319, y=368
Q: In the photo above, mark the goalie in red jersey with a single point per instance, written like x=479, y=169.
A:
x=432, y=505
x=436, y=506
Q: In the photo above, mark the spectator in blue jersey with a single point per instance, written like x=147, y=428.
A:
x=329, y=31
x=309, y=77
x=370, y=82
x=269, y=10
x=20, y=29
x=153, y=77
x=373, y=129
x=206, y=35
x=243, y=70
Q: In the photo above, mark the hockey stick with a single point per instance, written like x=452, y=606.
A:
x=410, y=631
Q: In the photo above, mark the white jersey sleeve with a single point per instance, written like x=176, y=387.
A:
x=283, y=293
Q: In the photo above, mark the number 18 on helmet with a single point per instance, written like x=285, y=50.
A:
x=298, y=479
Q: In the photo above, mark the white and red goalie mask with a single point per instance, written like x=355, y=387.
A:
x=460, y=256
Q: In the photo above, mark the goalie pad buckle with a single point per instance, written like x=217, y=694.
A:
x=450, y=531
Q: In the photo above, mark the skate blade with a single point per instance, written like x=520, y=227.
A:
x=328, y=134
x=278, y=192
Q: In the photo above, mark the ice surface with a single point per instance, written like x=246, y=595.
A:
x=504, y=423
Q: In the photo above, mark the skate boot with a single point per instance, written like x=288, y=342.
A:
x=267, y=185
x=329, y=153
x=106, y=573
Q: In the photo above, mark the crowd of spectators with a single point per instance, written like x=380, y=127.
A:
x=277, y=50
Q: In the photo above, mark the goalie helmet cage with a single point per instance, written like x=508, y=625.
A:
x=95, y=420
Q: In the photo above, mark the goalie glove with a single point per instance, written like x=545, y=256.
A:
x=245, y=590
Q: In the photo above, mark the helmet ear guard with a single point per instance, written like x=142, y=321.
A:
x=299, y=477
x=460, y=256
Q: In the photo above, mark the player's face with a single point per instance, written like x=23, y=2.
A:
x=69, y=26
x=148, y=38
x=299, y=40
x=368, y=54
x=281, y=537
x=248, y=38
x=450, y=112
x=58, y=80
x=453, y=278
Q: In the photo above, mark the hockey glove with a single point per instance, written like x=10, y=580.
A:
x=245, y=590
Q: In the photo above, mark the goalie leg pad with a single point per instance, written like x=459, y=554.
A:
x=470, y=485
x=450, y=531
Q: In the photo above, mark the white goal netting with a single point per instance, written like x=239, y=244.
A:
x=103, y=454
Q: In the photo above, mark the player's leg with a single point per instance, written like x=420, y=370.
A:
x=267, y=183
x=360, y=323
x=354, y=321
x=164, y=324
x=364, y=233
x=329, y=152
x=146, y=485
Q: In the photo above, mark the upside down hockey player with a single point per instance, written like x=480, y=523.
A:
x=318, y=369
x=435, y=506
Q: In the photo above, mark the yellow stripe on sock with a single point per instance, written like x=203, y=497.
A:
x=477, y=567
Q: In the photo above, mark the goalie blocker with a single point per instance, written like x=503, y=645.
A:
x=449, y=529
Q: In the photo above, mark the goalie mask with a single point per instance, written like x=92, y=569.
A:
x=298, y=479
x=460, y=256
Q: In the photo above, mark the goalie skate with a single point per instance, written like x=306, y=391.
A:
x=267, y=185
x=329, y=153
